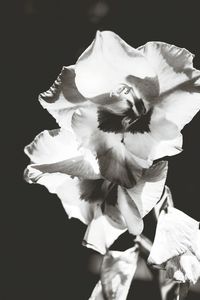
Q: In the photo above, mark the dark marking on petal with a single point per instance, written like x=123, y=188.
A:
x=91, y=190
x=109, y=122
x=111, y=197
x=116, y=170
x=142, y=124
x=139, y=104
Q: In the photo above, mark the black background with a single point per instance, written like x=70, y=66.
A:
x=42, y=253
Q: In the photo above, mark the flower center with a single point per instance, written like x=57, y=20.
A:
x=135, y=105
x=125, y=92
x=127, y=112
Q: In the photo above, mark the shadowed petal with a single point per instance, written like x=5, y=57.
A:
x=175, y=234
x=63, y=97
x=102, y=232
x=117, y=271
x=179, y=81
x=106, y=63
x=149, y=188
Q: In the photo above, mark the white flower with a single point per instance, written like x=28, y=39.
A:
x=176, y=246
x=117, y=109
x=126, y=105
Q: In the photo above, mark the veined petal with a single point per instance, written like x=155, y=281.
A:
x=63, y=98
x=106, y=63
x=117, y=271
x=130, y=212
x=175, y=234
x=102, y=232
x=57, y=151
x=149, y=188
x=179, y=81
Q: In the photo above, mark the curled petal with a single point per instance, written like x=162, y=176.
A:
x=57, y=151
x=63, y=98
x=102, y=232
x=149, y=188
x=175, y=234
x=179, y=81
x=106, y=63
x=117, y=271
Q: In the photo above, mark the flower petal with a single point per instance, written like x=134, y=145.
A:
x=163, y=139
x=63, y=97
x=171, y=63
x=149, y=188
x=106, y=63
x=117, y=271
x=102, y=232
x=175, y=234
x=130, y=212
x=179, y=81
x=185, y=102
x=57, y=151
x=74, y=205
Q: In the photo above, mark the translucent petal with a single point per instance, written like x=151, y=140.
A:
x=106, y=63
x=57, y=151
